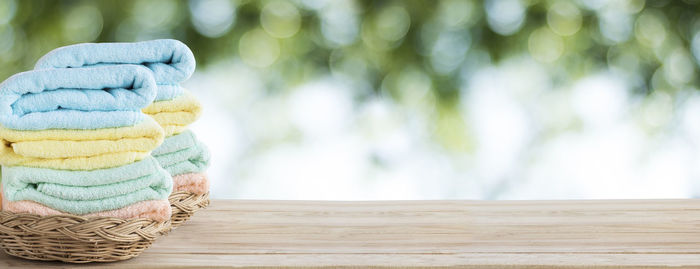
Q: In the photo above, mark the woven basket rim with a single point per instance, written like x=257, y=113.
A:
x=184, y=204
x=90, y=218
x=76, y=239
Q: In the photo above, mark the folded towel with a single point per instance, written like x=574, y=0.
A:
x=169, y=92
x=61, y=143
x=197, y=183
x=84, y=192
x=171, y=61
x=10, y=158
x=182, y=153
x=157, y=210
x=78, y=98
x=146, y=128
x=174, y=115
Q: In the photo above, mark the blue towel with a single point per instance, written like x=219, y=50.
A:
x=169, y=92
x=76, y=98
x=170, y=60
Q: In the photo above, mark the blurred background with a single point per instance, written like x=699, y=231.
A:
x=351, y=100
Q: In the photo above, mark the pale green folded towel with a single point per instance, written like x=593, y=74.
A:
x=84, y=192
x=181, y=154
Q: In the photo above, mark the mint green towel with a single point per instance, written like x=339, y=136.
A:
x=84, y=192
x=181, y=154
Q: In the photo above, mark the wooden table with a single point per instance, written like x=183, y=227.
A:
x=465, y=234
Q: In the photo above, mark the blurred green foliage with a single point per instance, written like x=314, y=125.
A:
x=367, y=41
x=422, y=56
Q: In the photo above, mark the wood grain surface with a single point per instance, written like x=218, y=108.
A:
x=427, y=234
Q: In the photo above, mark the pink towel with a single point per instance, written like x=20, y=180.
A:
x=192, y=182
x=158, y=210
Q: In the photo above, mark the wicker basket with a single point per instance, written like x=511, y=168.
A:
x=184, y=204
x=76, y=239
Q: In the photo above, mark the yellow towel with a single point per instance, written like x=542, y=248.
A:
x=80, y=149
x=9, y=158
x=174, y=115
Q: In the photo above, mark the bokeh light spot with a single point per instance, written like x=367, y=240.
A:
x=386, y=30
x=155, y=14
x=564, y=18
x=449, y=51
x=615, y=25
x=413, y=85
x=650, y=29
x=505, y=17
x=212, y=18
x=392, y=23
x=456, y=13
x=8, y=8
x=633, y=6
x=545, y=45
x=280, y=19
x=82, y=24
x=339, y=23
x=678, y=67
x=258, y=49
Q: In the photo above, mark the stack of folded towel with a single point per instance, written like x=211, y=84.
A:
x=76, y=141
x=174, y=108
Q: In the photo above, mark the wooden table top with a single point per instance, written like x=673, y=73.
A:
x=419, y=234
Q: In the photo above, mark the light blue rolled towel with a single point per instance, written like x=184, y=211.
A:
x=84, y=192
x=171, y=61
x=181, y=154
x=76, y=98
